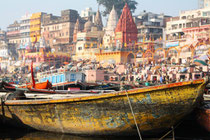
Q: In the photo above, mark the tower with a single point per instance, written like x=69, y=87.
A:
x=76, y=30
x=112, y=22
x=126, y=30
x=109, y=35
x=98, y=21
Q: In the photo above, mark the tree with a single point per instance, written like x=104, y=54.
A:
x=118, y=4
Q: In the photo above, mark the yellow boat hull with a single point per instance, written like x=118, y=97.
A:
x=155, y=109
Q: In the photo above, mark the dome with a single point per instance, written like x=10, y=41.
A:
x=88, y=25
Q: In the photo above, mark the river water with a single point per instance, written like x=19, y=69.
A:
x=187, y=130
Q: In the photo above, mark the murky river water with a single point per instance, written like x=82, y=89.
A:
x=187, y=130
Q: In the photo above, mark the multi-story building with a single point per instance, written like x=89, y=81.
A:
x=89, y=40
x=186, y=19
x=2, y=35
x=35, y=26
x=203, y=4
x=25, y=30
x=13, y=33
x=150, y=25
x=58, y=31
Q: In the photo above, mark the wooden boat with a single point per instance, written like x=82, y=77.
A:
x=42, y=85
x=155, y=109
x=204, y=116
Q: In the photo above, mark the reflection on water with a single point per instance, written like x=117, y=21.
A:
x=23, y=134
x=187, y=130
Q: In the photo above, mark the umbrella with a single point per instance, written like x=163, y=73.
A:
x=200, y=62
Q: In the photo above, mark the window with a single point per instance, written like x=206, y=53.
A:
x=73, y=77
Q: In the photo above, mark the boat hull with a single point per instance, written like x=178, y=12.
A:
x=155, y=109
x=204, y=118
x=43, y=85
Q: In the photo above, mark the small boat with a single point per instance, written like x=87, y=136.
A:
x=42, y=85
x=151, y=109
x=204, y=115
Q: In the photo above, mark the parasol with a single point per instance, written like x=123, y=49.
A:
x=200, y=62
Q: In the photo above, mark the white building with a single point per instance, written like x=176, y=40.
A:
x=8, y=53
x=25, y=30
x=110, y=30
x=87, y=13
x=203, y=4
x=2, y=35
x=150, y=25
x=186, y=19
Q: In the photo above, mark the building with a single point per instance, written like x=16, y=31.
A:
x=2, y=35
x=57, y=77
x=58, y=31
x=109, y=36
x=8, y=54
x=125, y=38
x=25, y=31
x=87, y=13
x=88, y=41
x=44, y=55
x=35, y=26
x=13, y=33
x=186, y=19
x=150, y=26
x=203, y=4
x=126, y=30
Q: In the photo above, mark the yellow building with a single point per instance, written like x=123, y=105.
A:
x=35, y=26
x=116, y=57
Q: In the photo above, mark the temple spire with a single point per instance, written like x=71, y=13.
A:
x=112, y=22
x=76, y=30
x=126, y=27
x=98, y=20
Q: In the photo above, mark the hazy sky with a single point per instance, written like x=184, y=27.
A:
x=12, y=10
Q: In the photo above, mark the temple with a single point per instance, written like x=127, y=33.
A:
x=119, y=38
x=109, y=36
x=126, y=30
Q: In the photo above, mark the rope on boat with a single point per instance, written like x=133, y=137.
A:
x=172, y=130
x=129, y=102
